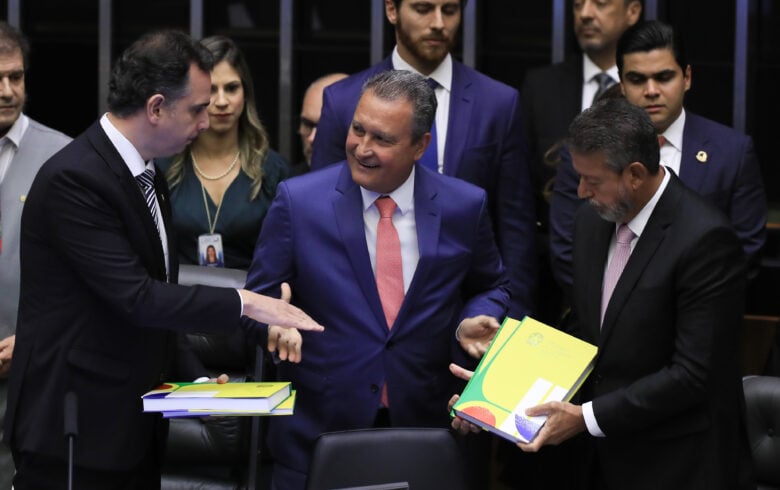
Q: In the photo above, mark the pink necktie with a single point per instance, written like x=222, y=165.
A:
x=661, y=141
x=389, y=274
x=616, y=265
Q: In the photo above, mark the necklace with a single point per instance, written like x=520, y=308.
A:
x=209, y=177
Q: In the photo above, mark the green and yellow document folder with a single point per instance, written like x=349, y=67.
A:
x=526, y=364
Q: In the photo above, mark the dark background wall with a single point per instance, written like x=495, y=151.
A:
x=335, y=35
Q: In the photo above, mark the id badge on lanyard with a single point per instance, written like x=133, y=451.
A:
x=210, y=251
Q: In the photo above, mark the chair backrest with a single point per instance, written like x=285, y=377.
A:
x=762, y=400
x=230, y=353
x=422, y=458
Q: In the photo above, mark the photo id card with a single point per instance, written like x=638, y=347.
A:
x=210, y=250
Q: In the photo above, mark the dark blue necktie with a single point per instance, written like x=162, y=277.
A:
x=430, y=158
x=605, y=82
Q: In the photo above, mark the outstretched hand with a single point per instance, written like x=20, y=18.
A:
x=272, y=311
x=476, y=333
x=286, y=341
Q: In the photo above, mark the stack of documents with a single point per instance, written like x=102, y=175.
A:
x=227, y=399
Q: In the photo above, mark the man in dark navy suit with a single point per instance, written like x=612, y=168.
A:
x=714, y=160
x=99, y=308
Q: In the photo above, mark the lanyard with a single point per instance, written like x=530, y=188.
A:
x=212, y=225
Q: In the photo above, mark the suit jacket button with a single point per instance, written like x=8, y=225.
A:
x=374, y=388
x=390, y=345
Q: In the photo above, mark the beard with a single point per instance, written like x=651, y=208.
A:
x=617, y=211
x=427, y=56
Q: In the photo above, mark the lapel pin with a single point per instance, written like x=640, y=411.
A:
x=23, y=197
x=701, y=156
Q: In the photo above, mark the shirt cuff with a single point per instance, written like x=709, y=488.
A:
x=242, y=302
x=590, y=420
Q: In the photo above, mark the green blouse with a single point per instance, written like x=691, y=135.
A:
x=239, y=219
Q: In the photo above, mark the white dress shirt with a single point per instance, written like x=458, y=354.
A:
x=443, y=76
x=404, y=222
x=671, y=152
x=589, y=84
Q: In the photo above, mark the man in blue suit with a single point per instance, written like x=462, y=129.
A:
x=479, y=130
x=322, y=235
x=713, y=160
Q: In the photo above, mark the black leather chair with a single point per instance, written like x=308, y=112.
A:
x=422, y=458
x=762, y=399
x=217, y=453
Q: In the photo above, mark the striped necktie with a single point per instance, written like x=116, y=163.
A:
x=605, y=81
x=146, y=182
x=616, y=265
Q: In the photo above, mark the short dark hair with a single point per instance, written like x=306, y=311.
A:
x=623, y=131
x=157, y=63
x=647, y=36
x=402, y=84
x=398, y=3
x=12, y=39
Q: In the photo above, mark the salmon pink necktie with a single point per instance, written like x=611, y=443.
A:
x=389, y=274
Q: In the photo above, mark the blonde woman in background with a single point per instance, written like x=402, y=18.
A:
x=223, y=183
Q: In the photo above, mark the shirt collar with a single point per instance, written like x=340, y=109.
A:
x=590, y=70
x=638, y=224
x=17, y=130
x=442, y=74
x=403, y=195
x=674, y=133
x=126, y=150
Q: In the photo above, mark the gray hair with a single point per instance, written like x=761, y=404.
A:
x=401, y=84
x=621, y=130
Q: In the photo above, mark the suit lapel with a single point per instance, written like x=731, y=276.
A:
x=461, y=105
x=646, y=247
x=348, y=214
x=692, y=171
x=428, y=224
x=163, y=200
x=155, y=263
x=602, y=231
